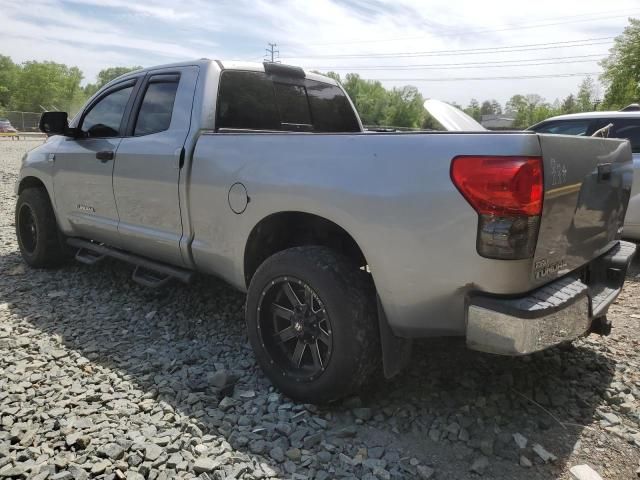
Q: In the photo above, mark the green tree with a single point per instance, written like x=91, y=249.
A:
x=105, y=76
x=486, y=108
x=621, y=76
x=496, y=107
x=405, y=107
x=473, y=109
x=586, y=95
x=46, y=85
x=529, y=109
x=490, y=107
x=398, y=107
x=569, y=104
x=8, y=79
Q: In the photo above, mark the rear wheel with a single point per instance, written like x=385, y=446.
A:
x=312, y=323
x=39, y=239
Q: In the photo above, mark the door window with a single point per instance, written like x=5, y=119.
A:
x=156, y=108
x=104, y=117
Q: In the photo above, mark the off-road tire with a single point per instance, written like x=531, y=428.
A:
x=348, y=295
x=49, y=250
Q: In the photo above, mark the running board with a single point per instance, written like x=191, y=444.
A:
x=149, y=273
x=88, y=257
x=149, y=278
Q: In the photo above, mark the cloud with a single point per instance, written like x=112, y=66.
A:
x=95, y=34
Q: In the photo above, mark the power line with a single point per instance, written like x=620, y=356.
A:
x=472, y=51
x=462, y=67
x=453, y=32
x=464, y=79
x=487, y=64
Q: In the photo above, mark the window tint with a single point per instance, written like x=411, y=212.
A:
x=246, y=101
x=251, y=101
x=331, y=109
x=566, y=127
x=103, y=120
x=157, y=105
x=629, y=129
x=292, y=103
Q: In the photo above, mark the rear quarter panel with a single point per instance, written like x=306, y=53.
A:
x=391, y=192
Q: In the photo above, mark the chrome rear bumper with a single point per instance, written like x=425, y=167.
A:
x=560, y=311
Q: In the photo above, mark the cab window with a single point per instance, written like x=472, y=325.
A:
x=156, y=108
x=104, y=117
x=256, y=101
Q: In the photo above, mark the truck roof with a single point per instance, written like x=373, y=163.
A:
x=228, y=65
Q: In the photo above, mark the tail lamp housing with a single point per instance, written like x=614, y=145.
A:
x=507, y=194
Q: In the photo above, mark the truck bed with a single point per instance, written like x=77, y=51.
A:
x=392, y=192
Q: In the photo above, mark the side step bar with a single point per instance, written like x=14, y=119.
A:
x=149, y=273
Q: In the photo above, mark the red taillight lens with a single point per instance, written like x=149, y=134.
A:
x=507, y=194
x=500, y=185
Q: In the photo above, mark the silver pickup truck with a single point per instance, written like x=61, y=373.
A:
x=348, y=243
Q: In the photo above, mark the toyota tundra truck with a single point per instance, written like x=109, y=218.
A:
x=348, y=243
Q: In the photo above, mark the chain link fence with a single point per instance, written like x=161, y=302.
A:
x=22, y=121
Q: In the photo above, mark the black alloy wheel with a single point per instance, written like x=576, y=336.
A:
x=295, y=328
x=27, y=228
x=312, y=323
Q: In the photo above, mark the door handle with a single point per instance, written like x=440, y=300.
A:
x=105, y=155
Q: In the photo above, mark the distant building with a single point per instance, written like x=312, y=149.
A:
x=498, y=122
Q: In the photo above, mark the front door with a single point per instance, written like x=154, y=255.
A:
x=83, y=168
x=147, y=171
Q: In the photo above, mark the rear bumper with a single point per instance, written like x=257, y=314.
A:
x=560, y=311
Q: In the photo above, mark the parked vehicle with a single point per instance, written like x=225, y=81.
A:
x=6, y=129
x=625, y=124
x=348, y=244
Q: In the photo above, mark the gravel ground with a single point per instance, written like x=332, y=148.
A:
x=101, y=378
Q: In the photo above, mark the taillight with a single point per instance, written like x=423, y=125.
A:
x=507, y=194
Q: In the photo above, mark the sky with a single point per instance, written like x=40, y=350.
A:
x=451, y=50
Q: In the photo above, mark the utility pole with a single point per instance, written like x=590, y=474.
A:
x=272, y=54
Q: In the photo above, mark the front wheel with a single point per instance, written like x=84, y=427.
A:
x=39, y=239
x=312, y=323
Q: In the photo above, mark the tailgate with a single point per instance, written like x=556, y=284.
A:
x=587, y=184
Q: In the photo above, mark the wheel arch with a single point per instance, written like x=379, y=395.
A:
x=280, y=231
x=287, y=229
x=31, y=181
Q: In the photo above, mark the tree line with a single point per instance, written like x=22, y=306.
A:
x=36, y=86
x=529, y=109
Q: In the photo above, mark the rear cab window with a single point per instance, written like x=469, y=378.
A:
x=258, y=101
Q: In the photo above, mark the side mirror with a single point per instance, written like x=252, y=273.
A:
x=54, y=123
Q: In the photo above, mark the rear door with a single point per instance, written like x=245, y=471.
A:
x=147, y=172
x=83, y=166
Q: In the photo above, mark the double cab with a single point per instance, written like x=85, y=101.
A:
x=349, y=244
